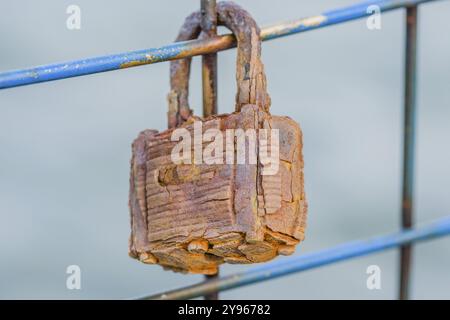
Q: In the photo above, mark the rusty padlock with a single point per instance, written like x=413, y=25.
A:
x=204, y=208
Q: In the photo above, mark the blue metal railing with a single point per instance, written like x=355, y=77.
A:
x=308, y=261
x=180, y=50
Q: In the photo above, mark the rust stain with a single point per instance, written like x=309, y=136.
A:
x=290, y=25
x=313, y=21
x=129, y=64
x=149, y=57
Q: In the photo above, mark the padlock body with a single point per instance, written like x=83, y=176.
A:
x=192, y=216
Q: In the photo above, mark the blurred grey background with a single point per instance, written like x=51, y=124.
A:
x=65, y=145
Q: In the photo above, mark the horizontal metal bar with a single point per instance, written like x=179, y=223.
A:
x=304, y=262
x=181, y=50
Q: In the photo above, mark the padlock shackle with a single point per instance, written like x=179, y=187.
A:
x=250, y=76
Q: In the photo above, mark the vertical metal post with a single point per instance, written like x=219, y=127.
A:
x=408, y=147
x=209, y=79
x=213, y=295
x=209, y=61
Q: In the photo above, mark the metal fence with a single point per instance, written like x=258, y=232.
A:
x=208, y=48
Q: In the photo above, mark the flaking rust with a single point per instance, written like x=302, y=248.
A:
x=192, y=217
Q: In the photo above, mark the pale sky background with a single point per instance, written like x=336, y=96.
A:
x=65, y=145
